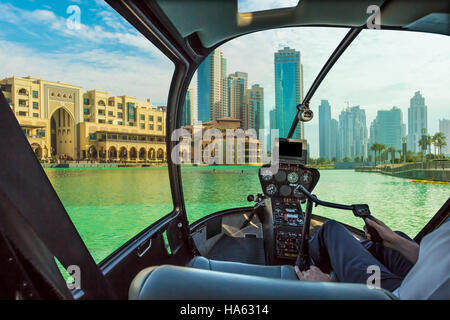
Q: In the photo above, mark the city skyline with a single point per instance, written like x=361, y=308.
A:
x=222, y=96
x=380, y=68
x=387, y=129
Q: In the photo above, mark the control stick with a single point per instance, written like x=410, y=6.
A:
x=359, y=210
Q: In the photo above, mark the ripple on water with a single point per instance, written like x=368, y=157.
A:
x=109, y=206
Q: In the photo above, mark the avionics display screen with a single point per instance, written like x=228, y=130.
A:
x=290, y=149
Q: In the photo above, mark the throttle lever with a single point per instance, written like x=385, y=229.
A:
x=362, y=211
x=374, y=235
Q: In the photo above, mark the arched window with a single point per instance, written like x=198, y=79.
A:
x=23, y=92
x=101, y=103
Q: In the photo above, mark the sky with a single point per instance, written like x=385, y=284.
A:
x=379, y=70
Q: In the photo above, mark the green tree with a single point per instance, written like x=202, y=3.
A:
x=439, y=141
x=399, y=155
x=377, y=147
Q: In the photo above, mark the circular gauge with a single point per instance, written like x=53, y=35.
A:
x=271, y=189
x=266, y=175
x=285, y=190
x=306, y=177
x=292, y=177
x=280, y=176
x=297, y=193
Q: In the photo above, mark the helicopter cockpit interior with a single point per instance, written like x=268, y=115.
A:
x=230, y=253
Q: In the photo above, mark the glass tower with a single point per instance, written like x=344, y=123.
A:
x=256, y=108
x=388, y=128
x=325, y=130
x=417, y=120
x=211, y=87
x=187, y=111
x=288, y=90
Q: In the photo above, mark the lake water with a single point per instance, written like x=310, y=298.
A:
x=110, y=206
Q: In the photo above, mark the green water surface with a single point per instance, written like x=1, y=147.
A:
x=110, y=206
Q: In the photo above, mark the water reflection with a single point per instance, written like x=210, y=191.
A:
x=109, y=206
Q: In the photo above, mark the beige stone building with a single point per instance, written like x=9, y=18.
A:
x=249, y=146
x=58, y=119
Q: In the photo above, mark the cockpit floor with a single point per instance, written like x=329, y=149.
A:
x=246, y=250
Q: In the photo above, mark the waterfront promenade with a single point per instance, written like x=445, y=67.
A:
x=433, y=170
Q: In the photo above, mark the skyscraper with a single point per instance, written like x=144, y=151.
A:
x=352, y=133
x=334, y=141
x=256, y=108
x=325, y=130
x=417, y=120
x=237, y=97
x=272, y=125
x=444, y=127
x=211, y=89
x=388, y=128
x=188, y=109
x=288, y=90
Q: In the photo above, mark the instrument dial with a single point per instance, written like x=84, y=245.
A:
x=306, y=177
x=292, y=177
x=266, y=175
x=297, y=193
x=285, y=190
x=280, y=176
x=271, y=189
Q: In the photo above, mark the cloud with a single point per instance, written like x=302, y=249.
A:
x=94, y=34
x=91, y=69
x=380, y=69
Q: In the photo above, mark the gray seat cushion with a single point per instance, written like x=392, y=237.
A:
x=275, y=272
x=181, y=283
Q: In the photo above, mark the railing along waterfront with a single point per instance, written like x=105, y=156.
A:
x=395, y=168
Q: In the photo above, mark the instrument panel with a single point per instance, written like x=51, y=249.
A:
x=282, y=183
x=287, y=216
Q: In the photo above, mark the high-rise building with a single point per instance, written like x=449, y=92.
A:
x=417, y=121
x=388, y=128
x=212, y=87
x=334, y=141
x=272, y=125
x=288, y=90
x=187, y=112
x=325, y=130
x=352, y=133
x=444, y=127
x=256, y=108
x=237, y=97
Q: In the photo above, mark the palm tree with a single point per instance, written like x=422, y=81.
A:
x=399, y=155
x=377, y=147
x=391, y=149
x=434, y=141
x=439, y=141
x=374, y=149
x=429, y=142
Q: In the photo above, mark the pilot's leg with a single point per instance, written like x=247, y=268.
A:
x=392, y=259
x=334, y=248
